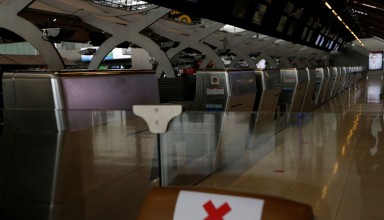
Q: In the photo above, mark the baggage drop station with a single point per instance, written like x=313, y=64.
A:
x=334, y=77
x=294, y=84
x=309, y=101
x=329, y=84
x=322, y=77
x=207, y=137
x=266, y=119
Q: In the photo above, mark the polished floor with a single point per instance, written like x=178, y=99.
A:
x=334, y=162
x=83, y=165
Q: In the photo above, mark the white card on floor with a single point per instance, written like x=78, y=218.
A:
x=197, y=206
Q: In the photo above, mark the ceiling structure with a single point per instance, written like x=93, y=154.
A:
x=299, y=21
x=369, y=16
x=308, y=27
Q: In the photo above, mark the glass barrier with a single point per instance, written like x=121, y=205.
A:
x=89, y=164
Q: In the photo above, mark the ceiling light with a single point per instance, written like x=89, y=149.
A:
x=341, y=20
x=326, y=3
x=371, y=6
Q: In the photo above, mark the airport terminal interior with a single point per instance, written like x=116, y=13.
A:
x=141, y=110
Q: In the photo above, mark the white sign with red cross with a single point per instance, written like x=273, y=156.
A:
x=208, y=206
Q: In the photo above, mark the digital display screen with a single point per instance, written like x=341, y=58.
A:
x=115, y=54
x=375, y=60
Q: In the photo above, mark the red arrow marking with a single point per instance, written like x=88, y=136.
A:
x=216, y=214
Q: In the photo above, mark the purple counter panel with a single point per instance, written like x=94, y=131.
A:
x=119, y=90
x=94, y=90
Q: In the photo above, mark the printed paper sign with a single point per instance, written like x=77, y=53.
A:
x=215, y=91
x=213, y=107
x=290, y=80
x=209, y=206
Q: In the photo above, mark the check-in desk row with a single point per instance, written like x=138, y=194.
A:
x=235, y=110
x=59, y=130
x=284, y=90
x=333, y=80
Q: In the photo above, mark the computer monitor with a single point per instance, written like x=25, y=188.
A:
x=375, y=60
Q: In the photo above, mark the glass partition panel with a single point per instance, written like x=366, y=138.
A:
x=91, y=164
x=75, y=164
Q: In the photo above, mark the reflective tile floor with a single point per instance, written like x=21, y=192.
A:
x=334, y=162
x=100, y=165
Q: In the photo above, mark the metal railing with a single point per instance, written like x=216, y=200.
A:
x=121, y=5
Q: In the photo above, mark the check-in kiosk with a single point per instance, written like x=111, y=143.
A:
x=268, y=90
x=203, y=138
x=266, y=120
x=309, y=101
x=224, y=90
x=294, y=84
x=346, y=78
x=334, y=76
x=322, y=77
x=332, y=73
x=343, y=73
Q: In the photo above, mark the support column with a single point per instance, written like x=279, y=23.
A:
x=25, y=29
x=193, y=41
x=121, y=33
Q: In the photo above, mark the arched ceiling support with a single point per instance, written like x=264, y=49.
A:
x=28, y=31
x=269, y=59
x=123, y=33
x=234, y=44
x=235, y=61
x=112, y=12
x=193, y=41
x=131, y=33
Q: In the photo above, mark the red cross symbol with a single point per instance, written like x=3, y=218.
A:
x=214, y=213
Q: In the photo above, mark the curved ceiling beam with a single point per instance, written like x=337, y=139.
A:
x=122, y=33
x=29, y=32
x=192, y=41
x=269, y=59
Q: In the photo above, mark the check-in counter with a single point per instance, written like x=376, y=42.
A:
x=294, y=84
x=266, y=120
x=268, y=90
x=309, y=101
x=322, y=77
x=109, y=90
x=343, y=73
x=203, y=137
x=349, y=71
x=224, y=90
x=332, y=84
